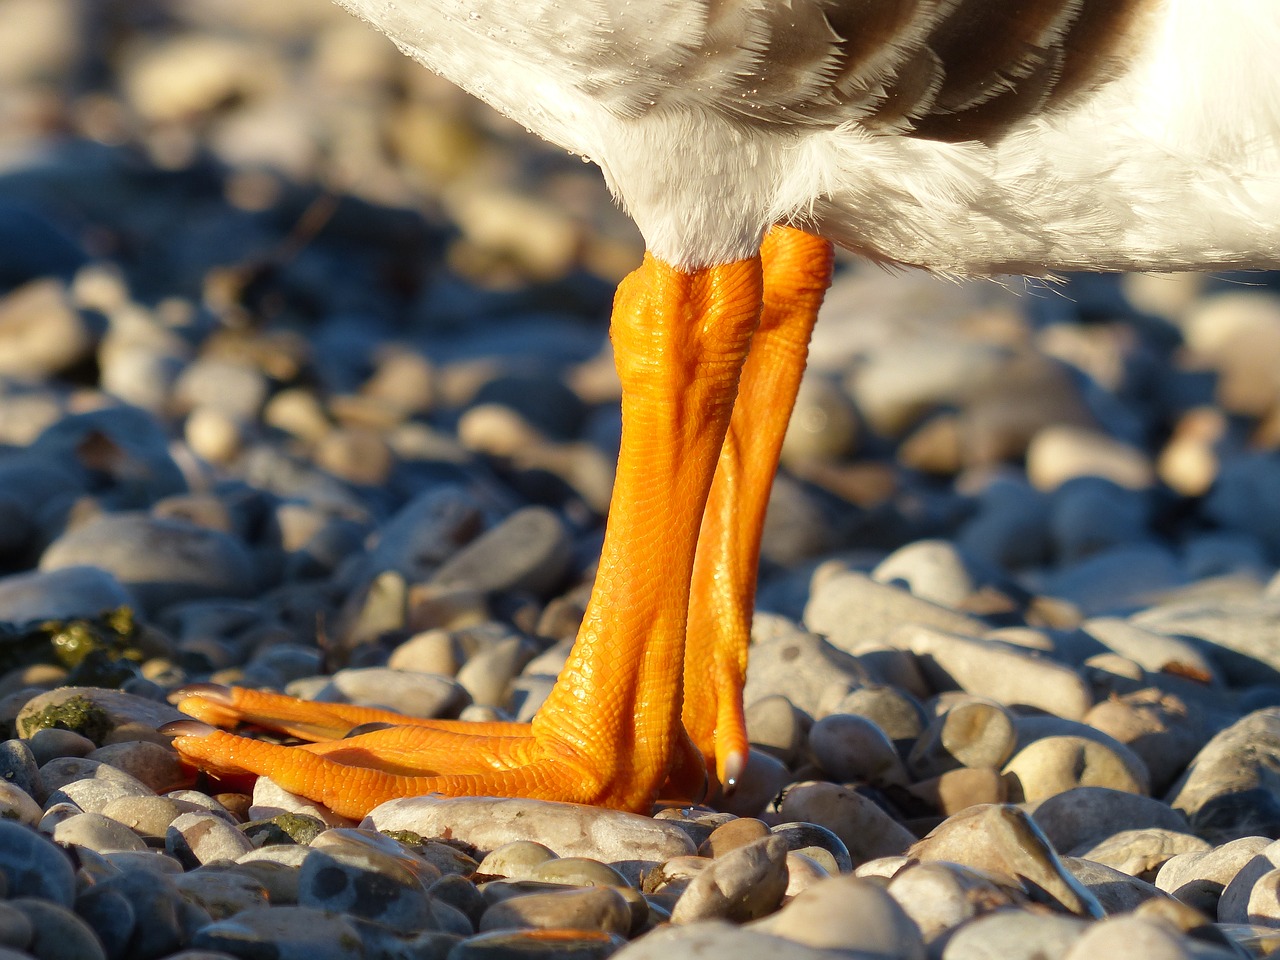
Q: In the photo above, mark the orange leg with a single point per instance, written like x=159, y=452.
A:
x=610, y=731
x=797, y=272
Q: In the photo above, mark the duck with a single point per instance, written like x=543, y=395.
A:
x=748, y=139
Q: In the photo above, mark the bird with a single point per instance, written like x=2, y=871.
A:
x=748, y=139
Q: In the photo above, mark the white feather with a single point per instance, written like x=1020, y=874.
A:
x=1175, y=164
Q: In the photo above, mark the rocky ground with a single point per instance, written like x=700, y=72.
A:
x=304, y=385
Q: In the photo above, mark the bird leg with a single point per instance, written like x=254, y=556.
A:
x=610, y=732
x=797, y=271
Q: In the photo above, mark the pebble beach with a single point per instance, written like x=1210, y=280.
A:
x=305, y=386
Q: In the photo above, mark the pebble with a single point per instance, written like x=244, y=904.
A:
x=381, y=442
x=159, y=562
x=568, y=829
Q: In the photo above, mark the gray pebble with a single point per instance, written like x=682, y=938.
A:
x=805, y=669
x=1141, y=853
x=856, y=613
x=103, y=716
x=51, y=742
x=940, y=896
x=1199, y=878
x=1132, y=936
x=19, y=768
x=58, y=933
x=1052, y=765
x=718, y=940
x=1014, y=935
x=1117, y=892
x=1088, y=815
x=364, y=883
x=849, y=748
x=196, y=838
x=289, y=933
x=64, y=594
x=529, y=551
x=811, y=837
x=223, y=893
x=1001, y=673
x=18, y=806
x=98, y=833
x=34, y=866
x=536, y=945
x=413, y=694
x=972, y=733
x=932, y=570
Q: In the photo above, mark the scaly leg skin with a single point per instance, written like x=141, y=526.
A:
x=797, y=272
x=610, y=732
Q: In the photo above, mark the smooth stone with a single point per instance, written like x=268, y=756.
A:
x=973, y=733
x=1057, y=454
x=571, y=830
x=355, y=454
x=719, y=940
x=365, y=882
x=1241, y=636
x=111, y=916
x=528, y=551
x=1090, y=514
x=848, y=913
x=1162, y=730
x=865, y=829
x=487, y=675
x=65, y=594
x=816, y=841
x=98, y=833
x=1088, y=815
x=805, y=669
x=226, y=386
x=856, y=613
x=956, y=790
x=1003, y=674
x=804, y=870
x=58, y=933
x=204, y=838
x=1014, y=935
x=516, y=860
x=537, y=944
x=1241, y=898
x=223, y=893
x=70, y=776
x=279, y=880
x=1005, y=841
x=1116, y=579
x=159, y=562
x=1130, y=936
x=1141, y=853
x=852, y=748
x=34, y=866
x=413, y=694
x=1117, y=892
x=775, y=725
x=423, y=534
x=1011, y=526
x=932, y=570
x=733, y=835
x=283, y=933
x=595, y=908
x=270, y=800
x=1054, y=764
x=159, y=911
x=1200, y=879
x=150, y=763
x=578, y=872
x=1241, y=498
x=49, y=743
x=823, y=424
x=1153, y=650
x=41, y=331
x=18, y=766
x=939, y=897
x=18, y=806
x=1228, y=790
x=894, y=711
x=744, y=884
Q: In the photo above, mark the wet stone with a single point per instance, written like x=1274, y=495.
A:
x=866, y=831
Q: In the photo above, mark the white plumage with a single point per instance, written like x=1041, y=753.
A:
x=863, y=121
